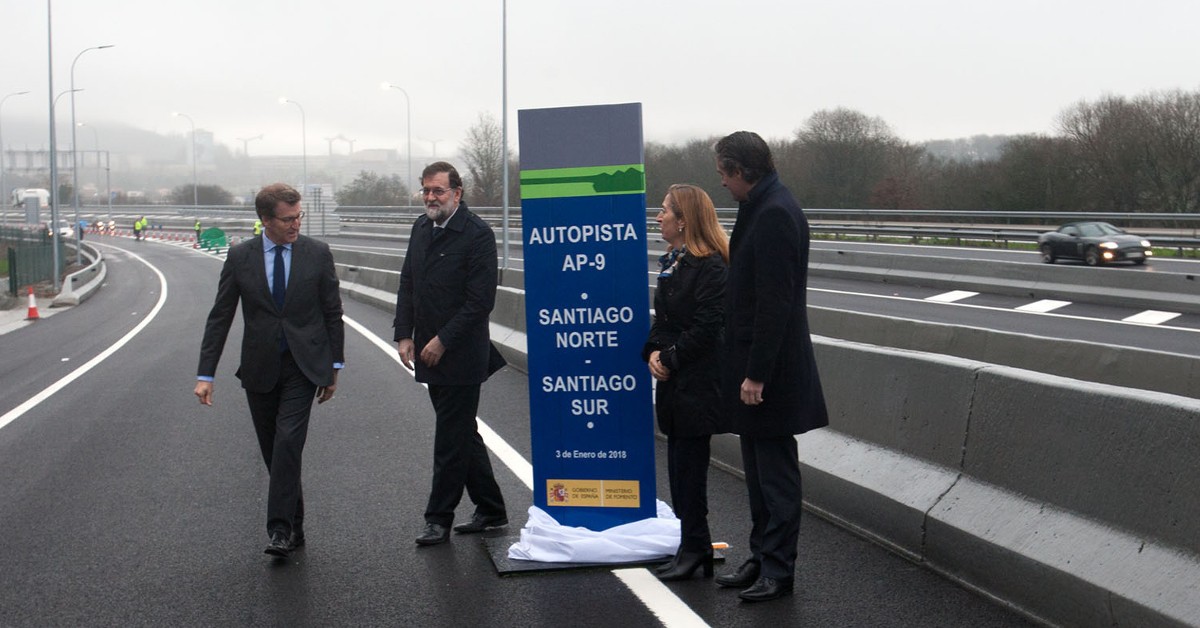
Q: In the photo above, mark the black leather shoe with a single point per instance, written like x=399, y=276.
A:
x=767, y=589
x=481, y=523
x=280, y=545
x=742, y=578
x=687, y=564
x=434, y=534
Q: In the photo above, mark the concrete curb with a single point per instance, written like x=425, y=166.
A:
x=1074, y=514
x=90, y=279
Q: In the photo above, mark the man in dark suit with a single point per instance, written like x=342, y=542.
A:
x=292, y=346
x=769, y=384
x=447, y=291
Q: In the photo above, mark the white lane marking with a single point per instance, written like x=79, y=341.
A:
x=16, y=412
x=1151, y=317
x=997, y=309
x=655, y=595
x=952, y=296
x=669, y=609
x=1045, y=305
x=505, y=452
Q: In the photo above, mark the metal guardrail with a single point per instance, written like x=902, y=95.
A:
x=1019, y=226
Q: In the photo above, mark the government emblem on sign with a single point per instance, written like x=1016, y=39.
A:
x=558, y=493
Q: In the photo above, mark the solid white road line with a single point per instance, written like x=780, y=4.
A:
x=665, y=605
x=1045, y=305
x=1151, y=317
x=505, y=452
x=655, y=595
x=952, y=296
x=16, y=412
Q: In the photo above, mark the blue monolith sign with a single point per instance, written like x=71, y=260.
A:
x=583, y=212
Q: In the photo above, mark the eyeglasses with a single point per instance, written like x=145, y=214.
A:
x=290, y=220
x=438, y=192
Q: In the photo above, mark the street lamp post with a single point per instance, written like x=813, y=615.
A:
x=246, y=143
x=504, y=116
x=304, y=141
x=96, y=143
x=434, y=143
x=75, y=150
x=195, y=181
x=407, y=131
x=56, y=245
x=3, y=188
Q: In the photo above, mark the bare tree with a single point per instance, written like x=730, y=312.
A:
x=843, y=155
x=483, y=153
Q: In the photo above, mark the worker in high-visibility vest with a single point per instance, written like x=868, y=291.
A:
x=197, y=229
x=257, y=227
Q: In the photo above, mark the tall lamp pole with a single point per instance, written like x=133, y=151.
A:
x=96, y=144
x=434, y=143
x=53, y=144
x=195, y=181
x=246, y=143
x=504, y=116
x=407, y=130
x=75, y=150
x=3, y=189
x=55, y=238
x=304, y=141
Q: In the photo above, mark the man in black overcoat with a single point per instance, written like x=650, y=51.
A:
x=292, y=346
x=447, y=291
x=769, y=385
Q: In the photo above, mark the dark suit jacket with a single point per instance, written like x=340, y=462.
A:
x=448, y=289
x=766, y=331
x=311, y=317
x=689, y=322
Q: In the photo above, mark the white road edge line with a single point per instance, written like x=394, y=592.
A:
x=16, y=412
x=661, y=601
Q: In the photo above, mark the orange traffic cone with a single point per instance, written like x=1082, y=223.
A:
x=33, y=314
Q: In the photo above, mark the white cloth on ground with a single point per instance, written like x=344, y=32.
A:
x=544, y=540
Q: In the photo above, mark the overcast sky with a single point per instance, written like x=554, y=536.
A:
x=932, y=69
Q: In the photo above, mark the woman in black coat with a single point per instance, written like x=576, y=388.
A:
x=682, y=355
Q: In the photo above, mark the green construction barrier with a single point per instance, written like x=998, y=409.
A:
x=213, y=238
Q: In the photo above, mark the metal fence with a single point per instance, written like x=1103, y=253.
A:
x=30, y=255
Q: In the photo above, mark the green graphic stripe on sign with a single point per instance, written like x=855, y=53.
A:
x=587, y=181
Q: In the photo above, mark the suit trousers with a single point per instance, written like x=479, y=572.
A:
x=772, y=467
x=281, y=423
x=687, y=468
x=460, y=459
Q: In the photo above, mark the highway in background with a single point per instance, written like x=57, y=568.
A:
x=125, y=502
x=1058, y=318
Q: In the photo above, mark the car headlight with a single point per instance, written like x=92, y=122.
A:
x=1108, y=245
x=1146, y=243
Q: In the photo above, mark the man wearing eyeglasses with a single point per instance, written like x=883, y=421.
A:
x=447, y=291
x=292, y=346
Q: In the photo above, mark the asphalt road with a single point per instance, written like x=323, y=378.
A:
x=125, y=502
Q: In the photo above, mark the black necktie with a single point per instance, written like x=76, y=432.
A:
x=278, y=285
x=278, y=290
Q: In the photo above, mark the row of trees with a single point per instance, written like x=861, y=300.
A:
x=1113, y=154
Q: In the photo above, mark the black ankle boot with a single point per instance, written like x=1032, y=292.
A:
x=686, y=564
x=669, y=565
